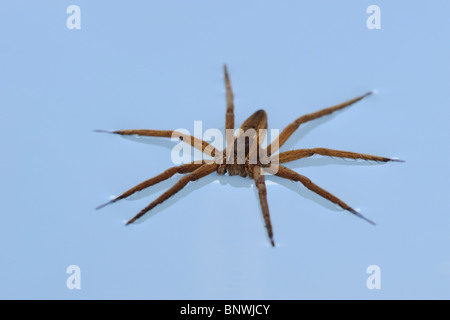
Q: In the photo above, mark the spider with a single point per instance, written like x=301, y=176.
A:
x=255, y=170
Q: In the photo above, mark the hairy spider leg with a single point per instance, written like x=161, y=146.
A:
x=229, y=115
x=260, y=183
x=193, y=141
x=184, y=168
x=198, y=173
x=304, y=153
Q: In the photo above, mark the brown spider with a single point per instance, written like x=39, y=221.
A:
x=254, y=170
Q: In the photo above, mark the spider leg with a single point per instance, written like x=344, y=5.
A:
x=304, y=153
x=287, y=173
x=229, y=116
x=258, y=176
x=184, y=168
x=198, y=173
x=193, y=141
x=290, y=129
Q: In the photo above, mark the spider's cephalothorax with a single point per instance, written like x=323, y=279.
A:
x=238, y=157
x=251, y=161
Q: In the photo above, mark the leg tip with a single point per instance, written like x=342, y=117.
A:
x=368, y=94
x=365, y=219
x=105, y=204
x=359, y=215
x=104, y=131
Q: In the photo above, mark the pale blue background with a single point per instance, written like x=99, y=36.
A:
x=158, y=65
